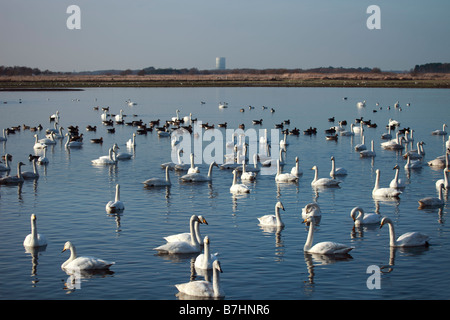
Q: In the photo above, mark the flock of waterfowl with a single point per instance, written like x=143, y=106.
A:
x=192, y=242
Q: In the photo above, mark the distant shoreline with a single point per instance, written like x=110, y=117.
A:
x=368, y=80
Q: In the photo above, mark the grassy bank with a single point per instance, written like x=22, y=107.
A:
x=378, y=80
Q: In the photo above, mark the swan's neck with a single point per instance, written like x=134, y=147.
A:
x=194, y=241
x=333, y=169
x=316, y=174
x=68, y=140
x=34, y=232
x=210, y=170
x=277, y=216
x=440, y=193
x=234, y=178
x=19, y=171
x=167, y=174
x=197, y=231
x=392, y=240
x=117, y=193
x=73, y=253
x=216, y=282
x=396, y=174
x=377, y=181
x=206, y=255
x=372, y=145
x=179, y=156
x=192, y=161
x=309, y=240
x=35, y=167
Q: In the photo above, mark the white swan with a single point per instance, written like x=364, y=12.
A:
x=177, y=118
x=368, y=153
x=283, y=142
x=4, y=138
x=119, y=117
x=409, y=239
x=393, y=123
x=43, y=159
x=131, y=143
x=198, y=177
x=361, y=104
x=203, y=288
x=346, y=133
x=378, y=192
x=396, y=182
x=121, y=155
x=415, y=154
x=34, y=239
x=284, y=177
x=192, y=168
x=388, y=135
x=358, y=129
x=57, y=134
x=444, y=181
x=175, y=247
x=159, y=182
x=31, y=174
x=115, y=206
x=440, y=132
x=311, y=210
x=238, y=188
x=186, y=236
x=336, y=171
x=296, y=170
x=205, y=260
x=37, y=143
x=72, y=144
x=441, y=161
x=362, y=218
x=409, y=138
x=49, y=141
x=186, y=166
x=14, y=180
x=6, y=166
x=413, y=164
x=323, y=182
x=104, y=115
x=432, y=202
x=394, y=144
x=361, y=146
x=110, y=159
x=172, y=165
x=76, y=263
x=247, y=175
x=326, y=247
x=273, y=220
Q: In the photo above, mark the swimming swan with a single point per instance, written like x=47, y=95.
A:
x=326, y=247
x=409, y=239
x=132, y=141
x=440, y=132
x=34, y=239
x=75, y=263
x=121, y=155
x=175, y=247
x=444, y=181
x=43, y=159
x=110, y=159
x=273, y=220
x=311, y=210
x=186, y=236
x=378, y=192
x=14, y=180
x=238, y=188
x=413, y=164
x=31, y=175
x=247, y=175
x=368, y=153
x=396, y=182
x=362, y=218
x=205, y=260
x=72, y=144
x=203, y=288
x=115, y=206
x=336, y=171
x=158, y=182
x=323, y=182
x=432, y=202
x=198, y=177
x=296, y=171
x=6, y=166
x=284, y=177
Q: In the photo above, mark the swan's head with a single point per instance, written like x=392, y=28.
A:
x=314, y=168
x=67, y=246
x=21, y=164
x=332, y=158
x=216, y=265
x=296, y=159
x=280, y=205
x=33, y=217
x=206, y=240
x=354, y=211
x=384, y=221
x=308, y=221
x=396, y=167
x=201, y=219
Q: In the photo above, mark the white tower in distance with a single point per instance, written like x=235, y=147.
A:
x=220, y=63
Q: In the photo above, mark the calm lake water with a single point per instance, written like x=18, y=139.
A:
x=70, y=196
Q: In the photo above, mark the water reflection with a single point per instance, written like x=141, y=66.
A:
x=34, y=252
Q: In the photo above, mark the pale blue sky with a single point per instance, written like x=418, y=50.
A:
x=250, y=33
